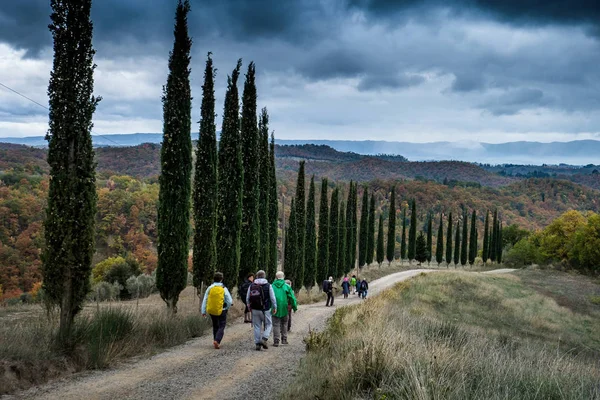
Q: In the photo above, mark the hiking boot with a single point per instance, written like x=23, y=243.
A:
x=276, y=344
x=284, y=341
x=264, y=344
x=258, y=347
x=217, y=345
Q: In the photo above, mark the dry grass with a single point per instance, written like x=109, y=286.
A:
x=454, y=336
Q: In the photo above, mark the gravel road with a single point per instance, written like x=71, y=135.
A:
x=197, y=371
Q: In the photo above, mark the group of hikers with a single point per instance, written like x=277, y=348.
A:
x=268, y=307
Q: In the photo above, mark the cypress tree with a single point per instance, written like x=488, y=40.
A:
x=429, y=237
x=439, y=249
x=333, y=234
x=310, y=260
x=250, y=236
x=323, y=239
x=486, y=240
x=457, y=245
x=449, y=241
x=500, y=245
x=229, y=192
x=371, y=232
x=353, y=249
x=493, y=242
x=391, y=235
x=71, y=210
x=300, y=223
x=473, y=239
x=349, y=258
x=291, y=248
x=380, y=241
x=464, y=251
x=421, y=249
x=341, y=265
x=412, y=233
x=205, y=186
x=273, y=203
x=264, y=193
x=403, y=243
x=364, y=229
x=173, y=222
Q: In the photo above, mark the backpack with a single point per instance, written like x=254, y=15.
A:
x=257, y=297
x=326, y=286
x=363, y=285
x=215, y=301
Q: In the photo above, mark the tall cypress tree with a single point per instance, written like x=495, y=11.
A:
x=439, y=249
x=499, y=241
x=349, y=260
x=71, y=210
x=264, y=193
x=333, y=234
x=403, y=243
x=205, y=186
x=229, y=192
x=421, y=249
x=473, y=239
x=310, y=254
x=291, y=247
x=464, y=251
x=493, y=242
x=391, y=235
x=300, y=223
x=486, y=239
x=429, y=237
x=173, y=222
x=341, y=265
x=354, y=226
x=457, y=245
x=412, y=233
x=364, y=229
x=449, y=241
x=380, y=247
x=371, y=232
x=273, y=203
x=250, y=237
x=323, y=239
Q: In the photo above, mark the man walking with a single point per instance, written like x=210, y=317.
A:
x=216, y=302
x=289, y=327
x=285, y=296
x=328, y=288
x=261, y=301
x=243, y=291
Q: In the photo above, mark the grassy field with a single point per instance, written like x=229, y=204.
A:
x=461, y=336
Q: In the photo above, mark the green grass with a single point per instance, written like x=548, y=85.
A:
x=454, y=336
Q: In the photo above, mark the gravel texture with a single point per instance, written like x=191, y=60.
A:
x=197, y=371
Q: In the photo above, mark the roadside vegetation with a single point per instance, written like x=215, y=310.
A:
x=459, y=336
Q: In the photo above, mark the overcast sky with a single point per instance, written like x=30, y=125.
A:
x=418, y=71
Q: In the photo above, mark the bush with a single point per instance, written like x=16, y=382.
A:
x=104, y=291
x=524, y=253
x=116, y=269
x=141, y=286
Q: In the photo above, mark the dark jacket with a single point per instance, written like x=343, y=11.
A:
x=364, y=285
x=327, y=286
x=244, y=290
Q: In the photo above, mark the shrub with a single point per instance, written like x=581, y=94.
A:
x=523, y=253
x=141, y=286
x=104, y=291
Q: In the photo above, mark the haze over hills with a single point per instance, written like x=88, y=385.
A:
x=579, y=152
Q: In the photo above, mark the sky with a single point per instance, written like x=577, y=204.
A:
x=399, y=70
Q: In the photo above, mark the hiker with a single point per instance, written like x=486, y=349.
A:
x=328, y=288
x=346, y=287
x=364, y=289
x=243, y=291
x=354, y=284
x=285, y=298
x=261, y=301
x=216, y=302
x=289, y=326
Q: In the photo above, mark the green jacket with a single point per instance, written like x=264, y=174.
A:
x=283, y=294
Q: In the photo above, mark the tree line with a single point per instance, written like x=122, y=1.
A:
x=233, y=197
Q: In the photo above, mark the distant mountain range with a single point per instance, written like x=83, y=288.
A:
x=580, y=152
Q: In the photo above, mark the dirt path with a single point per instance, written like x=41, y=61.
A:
x=197, y=371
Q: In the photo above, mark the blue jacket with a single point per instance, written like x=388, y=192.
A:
x=226, y=304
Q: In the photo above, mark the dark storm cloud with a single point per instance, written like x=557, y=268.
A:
x=514, y=101
x=521, y=11
x=23, y=23
x=379, y=82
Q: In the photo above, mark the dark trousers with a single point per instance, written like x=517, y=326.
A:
x=218, y=323
x=289, y=327
x=329, y=297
